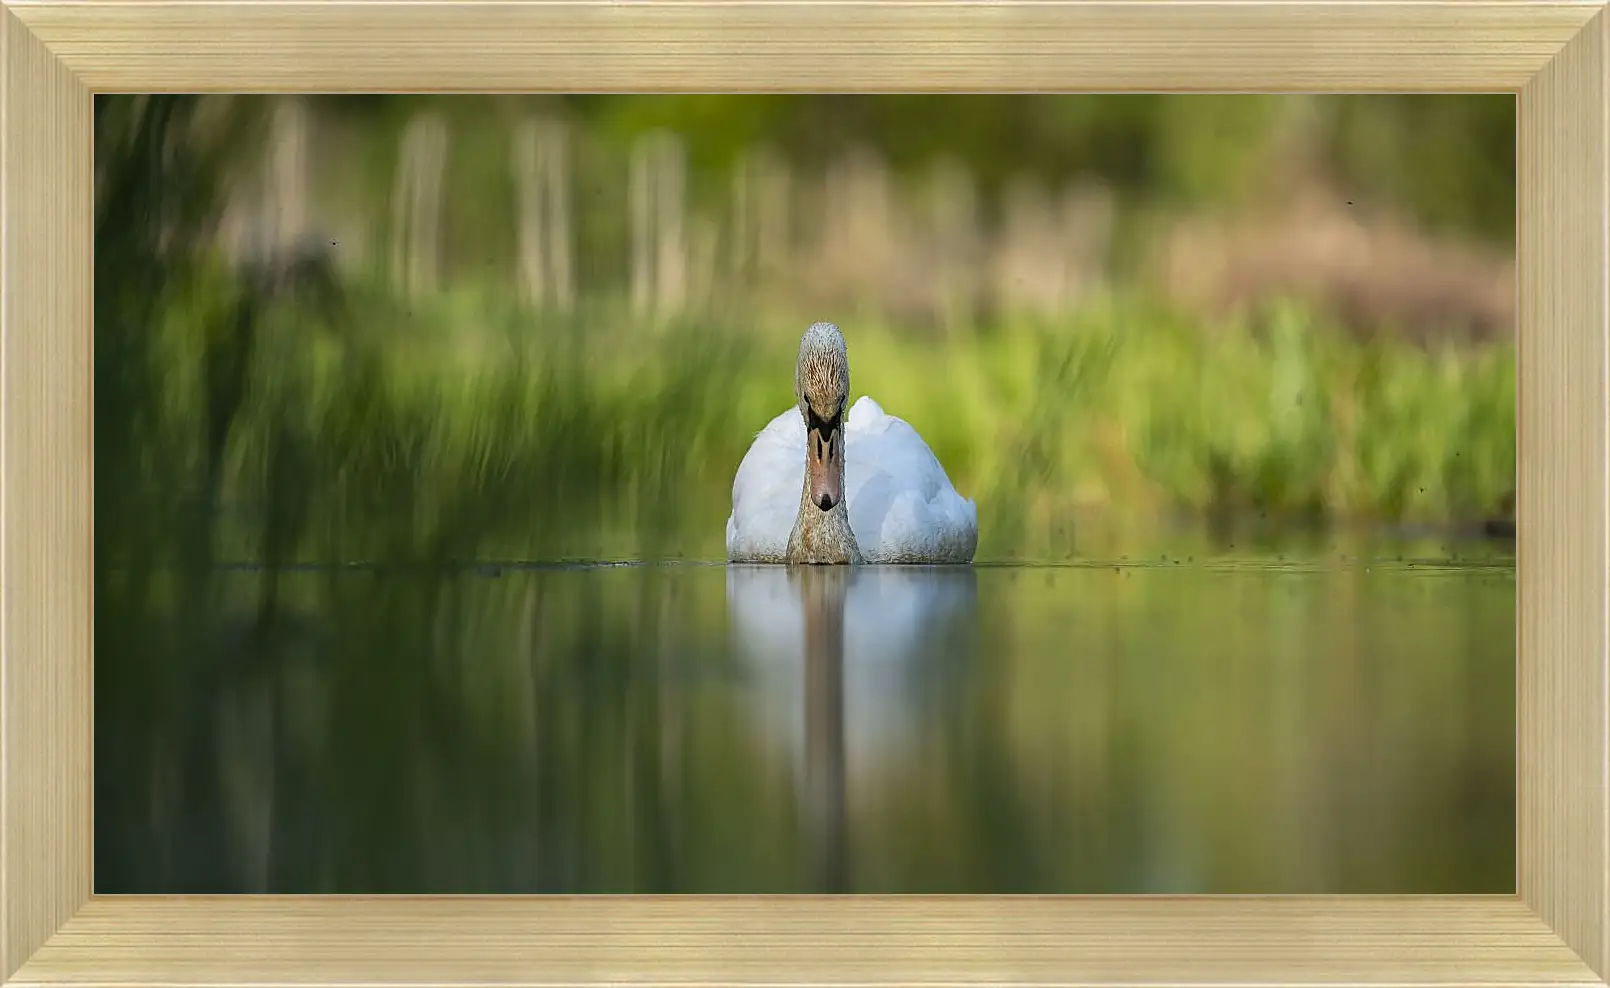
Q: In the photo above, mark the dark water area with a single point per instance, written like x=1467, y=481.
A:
x=1329, y=717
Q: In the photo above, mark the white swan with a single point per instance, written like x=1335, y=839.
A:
x=820, y=486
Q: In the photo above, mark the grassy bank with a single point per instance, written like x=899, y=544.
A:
x=461, y=424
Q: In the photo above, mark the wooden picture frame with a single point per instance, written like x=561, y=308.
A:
x=55, y=54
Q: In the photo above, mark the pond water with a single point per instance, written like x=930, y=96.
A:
x=1338, y=718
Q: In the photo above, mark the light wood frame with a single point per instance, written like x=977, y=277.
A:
x=54, y=54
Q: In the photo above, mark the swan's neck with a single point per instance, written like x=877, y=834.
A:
x=823, y=537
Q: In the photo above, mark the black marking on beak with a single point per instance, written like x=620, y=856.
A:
x=820, y=432
x=822, y=442
x=825, y=445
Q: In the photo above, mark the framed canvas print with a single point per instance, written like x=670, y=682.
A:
x=764, y=492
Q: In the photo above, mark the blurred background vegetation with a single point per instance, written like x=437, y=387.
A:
x=577, y=311
x=397, y=331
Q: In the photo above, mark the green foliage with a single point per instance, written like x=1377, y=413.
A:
x=1449, y=162
x=1446, y=160
x=308, y=419
x=463, y=429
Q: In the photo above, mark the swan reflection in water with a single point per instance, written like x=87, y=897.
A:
x=846, y=661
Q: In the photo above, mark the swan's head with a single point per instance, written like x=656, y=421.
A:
x=822, y=385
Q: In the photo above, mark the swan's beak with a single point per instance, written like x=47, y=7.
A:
x=822, y=462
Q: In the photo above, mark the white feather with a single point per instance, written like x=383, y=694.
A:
x=902, y=506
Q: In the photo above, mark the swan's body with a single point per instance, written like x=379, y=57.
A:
x=888, y=499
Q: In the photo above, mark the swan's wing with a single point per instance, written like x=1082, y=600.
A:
x=903, y=508
x=765, y=492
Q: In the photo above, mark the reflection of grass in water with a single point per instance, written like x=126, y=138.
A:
x=462, y=425
x=419, y=731
x=589, y=730
x=1372, y=712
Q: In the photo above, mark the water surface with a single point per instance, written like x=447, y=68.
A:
x=1329, y=719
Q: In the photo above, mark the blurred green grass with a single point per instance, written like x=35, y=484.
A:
x=459, y=425
x=239, y=415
